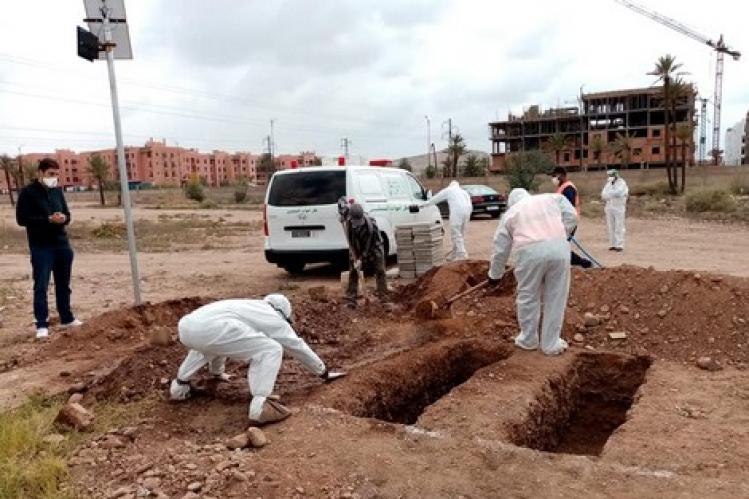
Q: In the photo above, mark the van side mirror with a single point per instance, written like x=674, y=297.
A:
x=428, y=195
x=413, y=208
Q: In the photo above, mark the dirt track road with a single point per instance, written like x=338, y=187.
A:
x=102, y=280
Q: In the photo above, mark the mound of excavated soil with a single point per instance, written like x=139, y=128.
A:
x=443, y=282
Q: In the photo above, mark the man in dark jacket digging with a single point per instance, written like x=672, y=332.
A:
x=367, y=254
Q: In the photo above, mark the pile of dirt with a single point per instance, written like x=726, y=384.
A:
x=442, y=282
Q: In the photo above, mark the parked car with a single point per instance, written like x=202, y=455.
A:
x=484, y=199
x=300, y=216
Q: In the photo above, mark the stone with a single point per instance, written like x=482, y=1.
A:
x=300, y=490
x=78, y=387
x=257, y=437
x=164, y=381
x=590, y=320
x=664, y=289
x=54, y=439
x=662, y=313
x=238, y=441
x=112, y=442
x=160, y=336
x=74, y=415
x=618, y=335
x=238, y=476
x=623, y=309
x=194, y=486
x=191, y=495
x=152, y=483
x=76, y=398
x=579, y=338
x=191, y=466
x=318, y=293
x=129, y=432
x=604, y=308
x=708, y=364
x=122, y=491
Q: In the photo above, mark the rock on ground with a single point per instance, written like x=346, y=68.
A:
x=74, y=415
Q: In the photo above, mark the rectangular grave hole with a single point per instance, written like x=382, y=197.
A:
x=400, y=388
x=578, y=411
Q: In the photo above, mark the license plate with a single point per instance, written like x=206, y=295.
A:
x=492, y=208
x=301, y=233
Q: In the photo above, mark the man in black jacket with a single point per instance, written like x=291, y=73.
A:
x=367, y=252
x=42, y=209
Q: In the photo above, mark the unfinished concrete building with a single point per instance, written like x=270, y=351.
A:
x=590, y=133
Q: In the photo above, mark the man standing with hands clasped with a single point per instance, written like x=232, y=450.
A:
x=43, y=211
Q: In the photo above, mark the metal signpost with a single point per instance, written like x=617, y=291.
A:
x=106, y=20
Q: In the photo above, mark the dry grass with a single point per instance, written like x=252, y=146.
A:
x=169, y=233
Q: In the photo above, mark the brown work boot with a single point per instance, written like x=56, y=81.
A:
x=273, y=412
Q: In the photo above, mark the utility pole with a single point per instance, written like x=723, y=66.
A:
x=429, y=139
x=103, y=14
x=272, y=144
x=454, y=172
x=345, y=143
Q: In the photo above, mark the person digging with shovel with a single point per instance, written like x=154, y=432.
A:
x=367, y=253
x=257, y=332
x=537, y=227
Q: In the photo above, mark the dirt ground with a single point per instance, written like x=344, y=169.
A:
x=437, y=408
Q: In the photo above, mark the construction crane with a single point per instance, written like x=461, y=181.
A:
x=720, y=49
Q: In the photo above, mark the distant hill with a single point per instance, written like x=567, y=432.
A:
x=419, y=163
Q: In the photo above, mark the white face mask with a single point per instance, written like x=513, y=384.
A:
x=50, y=182
x=555, y=181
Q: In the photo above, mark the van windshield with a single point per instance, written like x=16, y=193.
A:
x=307, y=188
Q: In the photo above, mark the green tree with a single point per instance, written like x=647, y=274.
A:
x=474, y=166
x=523, y=168
x=430, y=171
x=194, y=189
x=455, y=149
x=685, y=134
x=404, y=164
x=98, y=169
x=556, y=144
x=240, y=190
x=667, y=72
x=597, y=147
x=266, y=166
x=622, y=147
x=7, y=164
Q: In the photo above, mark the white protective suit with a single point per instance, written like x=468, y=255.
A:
x=537, y=227
x=461, y=208
x=253, y=331
x=614, y=195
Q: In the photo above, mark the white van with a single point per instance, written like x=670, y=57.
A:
x=300, y=215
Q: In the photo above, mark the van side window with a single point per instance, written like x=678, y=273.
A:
x=369, y=186
x=395, y=186
x=417, y=190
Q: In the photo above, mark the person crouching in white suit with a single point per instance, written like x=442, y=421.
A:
x=459, y=202
x=537, y=227
x=254, y=331
x=615, y=194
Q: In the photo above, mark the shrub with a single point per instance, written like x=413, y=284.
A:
x=522, y=168
x=739, y=185
x=712, y=200
x=194, y=190
x=109, y=230
x=653, y=189
x=240, y=191
x=208, y=204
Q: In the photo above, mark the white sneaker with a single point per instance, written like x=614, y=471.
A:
x=74, y=323
x=42, y=333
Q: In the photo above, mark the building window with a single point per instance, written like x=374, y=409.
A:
x=637, y=151
x=657, y=132
x=566, y=156
x=656, y=149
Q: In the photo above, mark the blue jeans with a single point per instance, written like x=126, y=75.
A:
x=57, y=261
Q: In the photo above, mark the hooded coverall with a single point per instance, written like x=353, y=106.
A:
x=537, y=227
x=459, y=202
x=615, y=194
x=245, y=330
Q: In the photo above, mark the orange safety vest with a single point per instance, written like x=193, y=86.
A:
x=561, y=189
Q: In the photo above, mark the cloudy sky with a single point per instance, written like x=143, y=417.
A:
x=212, y=74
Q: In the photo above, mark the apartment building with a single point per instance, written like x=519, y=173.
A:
x=636, y=113
x=161, y=164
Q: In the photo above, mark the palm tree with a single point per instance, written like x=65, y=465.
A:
x=622, y=147
x=667, y=71
x=6, y=163
x=455, y=149
x=556, y=143
x=99, y=170
x=597, y=146
x=685, y=134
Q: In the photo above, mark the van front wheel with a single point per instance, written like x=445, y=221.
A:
x=293, y=268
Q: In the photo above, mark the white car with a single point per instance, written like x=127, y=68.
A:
x=300, y=215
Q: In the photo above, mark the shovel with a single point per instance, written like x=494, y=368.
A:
x=430, y=309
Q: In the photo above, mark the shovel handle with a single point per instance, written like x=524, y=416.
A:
x=468, y=291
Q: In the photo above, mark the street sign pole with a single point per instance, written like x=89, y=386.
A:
x=124, y=184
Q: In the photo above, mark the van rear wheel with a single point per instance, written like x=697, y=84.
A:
x=293, y=268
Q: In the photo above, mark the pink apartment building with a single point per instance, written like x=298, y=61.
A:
x=163, y=165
